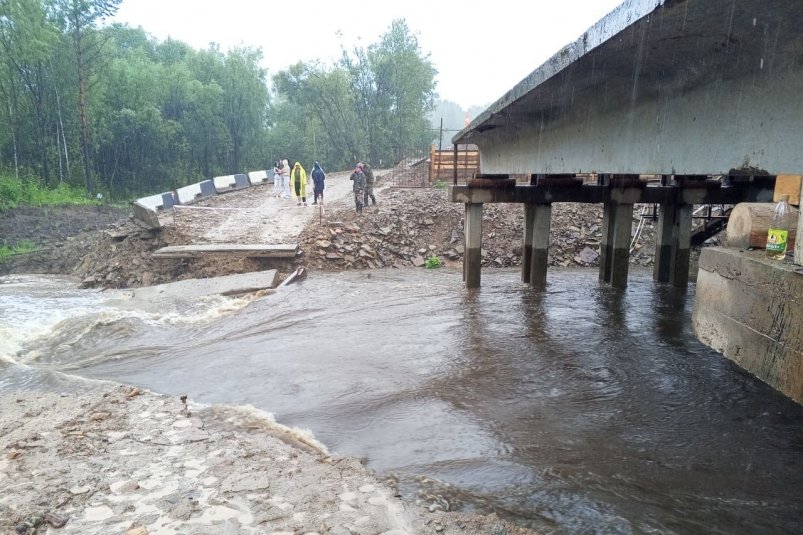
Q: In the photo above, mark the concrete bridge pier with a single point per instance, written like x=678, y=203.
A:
x=535, y=249
x=527, y=242
x=472, y=256
x=673, y=244
x=617, y=226
x=542, y=217
x=614, y=258
x=673, y=237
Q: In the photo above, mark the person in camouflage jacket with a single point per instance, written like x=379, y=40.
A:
x=369, y=184
x=358, y=177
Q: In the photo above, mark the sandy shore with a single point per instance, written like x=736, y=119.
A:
x=121, y=460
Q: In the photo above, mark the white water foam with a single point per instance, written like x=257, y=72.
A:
x=34, y=307
x=249, y=417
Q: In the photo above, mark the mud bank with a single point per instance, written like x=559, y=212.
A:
x=121, y=460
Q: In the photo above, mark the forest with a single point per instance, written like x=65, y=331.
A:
x=109, y=109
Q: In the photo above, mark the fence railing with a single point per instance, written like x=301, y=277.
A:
x=452, y=165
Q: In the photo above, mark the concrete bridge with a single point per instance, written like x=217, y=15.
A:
x=688, y=90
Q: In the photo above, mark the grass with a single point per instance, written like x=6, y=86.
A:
x=31, y=191
x=440, y=184
x=22, y=247
x=433, y=262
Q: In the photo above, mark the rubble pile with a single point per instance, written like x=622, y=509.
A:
x=122, y=257
x=409, y=226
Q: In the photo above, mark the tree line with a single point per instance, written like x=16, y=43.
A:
x=109, y=108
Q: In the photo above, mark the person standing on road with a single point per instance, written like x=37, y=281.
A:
x=285, y=179
x=299, y=178
x=359, y=187
x=318, y=176
x=278, y=184
x=369, y=184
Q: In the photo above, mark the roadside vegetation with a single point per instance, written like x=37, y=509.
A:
x=109, y=108
x=32, y=192
x=24, y=247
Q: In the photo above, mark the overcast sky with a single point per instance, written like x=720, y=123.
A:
x=479, y=49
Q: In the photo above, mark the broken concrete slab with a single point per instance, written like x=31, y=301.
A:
x=238, y=284
x=146, y=215
x=249, y=250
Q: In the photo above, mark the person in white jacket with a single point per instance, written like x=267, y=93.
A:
x=286, y=179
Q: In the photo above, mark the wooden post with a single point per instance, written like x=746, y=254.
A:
x=431, y=160
x=440, y=153
x=541, y=228
x=454, y=158
x=798, y=256
x=472, y=256
x=527, y=242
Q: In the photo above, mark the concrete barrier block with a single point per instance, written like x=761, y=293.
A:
x=227, y=183
x=241, y=181
x=168, y=200
x=188, y=194
x=194, y=192
x=146, y=215
x=152, y=202
x=260, y=177
x=223, y=183
x=207, y=188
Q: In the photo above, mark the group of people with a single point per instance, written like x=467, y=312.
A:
x=363, y=187
x=292, y=182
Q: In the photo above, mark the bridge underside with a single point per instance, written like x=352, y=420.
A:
x=689, y=87
x=675, y=88
x=618, y=194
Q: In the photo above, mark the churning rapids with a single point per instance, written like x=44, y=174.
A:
x=583, y=409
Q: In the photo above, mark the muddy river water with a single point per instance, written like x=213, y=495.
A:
x=580, y=410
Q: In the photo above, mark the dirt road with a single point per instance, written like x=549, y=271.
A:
x=258, y=216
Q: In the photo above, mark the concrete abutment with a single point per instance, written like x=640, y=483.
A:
x=749, y=308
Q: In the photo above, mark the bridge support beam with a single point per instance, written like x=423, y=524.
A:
x=673, y=244
x=541, y=227
x=527, y=242
x=617, y=227
x=472, y=256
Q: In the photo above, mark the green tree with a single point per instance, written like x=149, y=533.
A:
x=245, y=101
x=27, y=39
x=372, y=104
x=80, y=19
x=326, y=97
x=405, y=86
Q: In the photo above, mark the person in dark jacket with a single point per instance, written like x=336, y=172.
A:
x=369, y=184
x=359, y=187
x=318, y=177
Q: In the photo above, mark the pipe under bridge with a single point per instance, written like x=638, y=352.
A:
x=687, y=90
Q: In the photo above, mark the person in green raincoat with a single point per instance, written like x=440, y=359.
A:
x=298, y=184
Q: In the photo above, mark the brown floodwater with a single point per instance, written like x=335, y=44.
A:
x=582, y=409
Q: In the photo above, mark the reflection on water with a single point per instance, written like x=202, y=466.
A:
x=581, y=409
